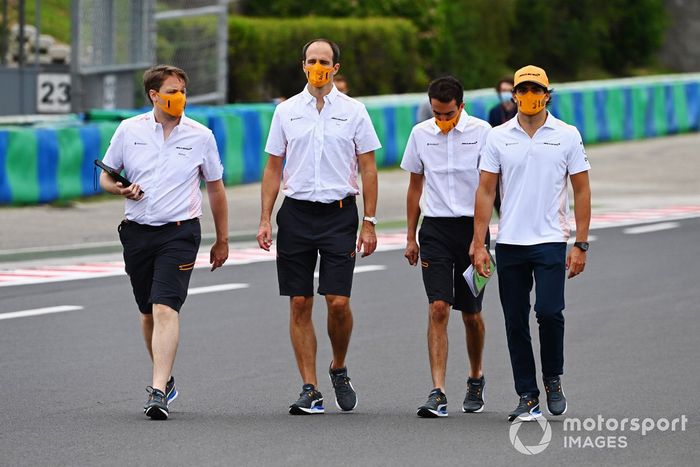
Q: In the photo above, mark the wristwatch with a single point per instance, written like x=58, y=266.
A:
x=372, y=220
x=583, y=246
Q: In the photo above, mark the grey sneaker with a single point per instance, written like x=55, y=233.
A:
x=528, y=409
x=345, y=395
x=310, y=402
x=474, y=400
x=435, y=406
x=157, y=404
x=556, y=400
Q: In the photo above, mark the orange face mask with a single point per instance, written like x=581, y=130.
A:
x=318, y=75
x=531, y=103
x=447, y=125
x=174, y=103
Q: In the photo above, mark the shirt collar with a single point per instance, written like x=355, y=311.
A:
x=461, y=124
x=514, y=124
x=154, y=123
x=331, y=97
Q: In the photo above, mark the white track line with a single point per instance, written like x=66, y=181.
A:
x=369, y=268
x=216, y=288
x=651, y=228
x=39, y=311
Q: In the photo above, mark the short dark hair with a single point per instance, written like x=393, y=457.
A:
x=153, y=77
x=446, y=89
x=334, y=48
x=507, y=79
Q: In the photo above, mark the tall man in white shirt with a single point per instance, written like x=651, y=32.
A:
x=442, y=155
x=165, y=154
x=534, y=154
x=318, y=139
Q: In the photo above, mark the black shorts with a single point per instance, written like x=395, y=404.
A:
x=444, y=254
x=159, y=261
x=306, y=229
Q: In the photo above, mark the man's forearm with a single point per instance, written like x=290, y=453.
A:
x=482, y=213
x=108, y=184
x=270, y=187
x=369, y=192
x=219, y=210
x=413, y=206
x=582, y=213
x=370, y=183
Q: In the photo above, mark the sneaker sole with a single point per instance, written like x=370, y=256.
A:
x=481, y=409
x=526, y=417
x=425, y=412
x=296, y=410
x=156, y=413
x=357, y=399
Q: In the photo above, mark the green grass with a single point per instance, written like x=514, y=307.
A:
x=54, y=17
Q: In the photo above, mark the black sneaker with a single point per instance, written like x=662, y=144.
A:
x=310, y=402
x=345, y=395
x=528, y=409
x=474, y=400
x=436, y=405
x=170, y=391
x=157, y=405
x=556, y=400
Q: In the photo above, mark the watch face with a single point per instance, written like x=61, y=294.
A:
x=582, y=245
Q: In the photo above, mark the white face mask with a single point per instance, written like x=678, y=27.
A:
x=506, y=96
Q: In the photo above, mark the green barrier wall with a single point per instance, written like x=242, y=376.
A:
x=39, y=165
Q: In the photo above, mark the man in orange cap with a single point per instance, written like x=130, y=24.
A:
x=534, y=155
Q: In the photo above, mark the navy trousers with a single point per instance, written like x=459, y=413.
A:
x=517, y=266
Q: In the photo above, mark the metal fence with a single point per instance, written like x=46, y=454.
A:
x=111, y=41
x=192, y=35
x=111, y=35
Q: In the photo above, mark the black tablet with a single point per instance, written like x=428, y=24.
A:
x=113, y=173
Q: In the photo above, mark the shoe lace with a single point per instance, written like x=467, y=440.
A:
x=341, y=383
x=474, y=391
x=435, y=397
x=553, y=387
x=524, y=403
x=308, y=394
x=153, y=392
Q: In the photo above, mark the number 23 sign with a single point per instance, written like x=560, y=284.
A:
x=53, y=92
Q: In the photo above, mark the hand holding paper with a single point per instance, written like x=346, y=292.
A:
x=475, y=280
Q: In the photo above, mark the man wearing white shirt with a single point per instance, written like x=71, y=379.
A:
x=442, y=155
x=318, y=140
x=534, y=155
x=165, y=155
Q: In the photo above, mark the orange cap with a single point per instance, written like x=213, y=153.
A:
x=532, y=74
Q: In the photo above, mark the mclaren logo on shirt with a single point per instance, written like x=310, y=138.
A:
x=469, y=142
x=433, y=144
x=510, y=144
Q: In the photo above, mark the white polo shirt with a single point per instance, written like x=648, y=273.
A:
x=321, y=149
x=533, y=174
x=450, y=164
x=169, y=171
